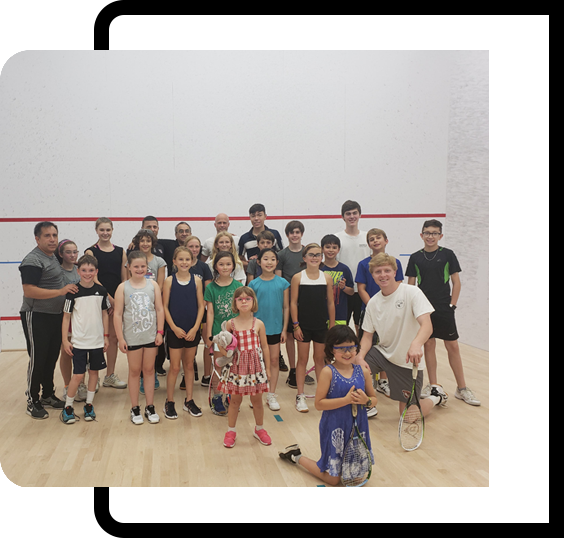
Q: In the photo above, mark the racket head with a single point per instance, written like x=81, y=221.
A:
x=357, y=460
x=412, y=423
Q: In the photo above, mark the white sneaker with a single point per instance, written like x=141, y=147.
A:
x=114, y=382
x=383, y=386
x=426, y=391
x=136, y=416
x=371, y=412
x=301, y=403
x=272, y=401
x=81, y=393
x=467, y=396
x=151, y=414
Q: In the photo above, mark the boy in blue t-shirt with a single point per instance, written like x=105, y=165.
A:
x=343, y=283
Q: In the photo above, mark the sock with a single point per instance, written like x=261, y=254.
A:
x=258, y=428
x=70, y=401
x=90, y=397
x=435, y=399
x=232, y=430
x=297, y=458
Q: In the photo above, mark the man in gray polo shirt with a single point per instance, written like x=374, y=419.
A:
x=42, y=314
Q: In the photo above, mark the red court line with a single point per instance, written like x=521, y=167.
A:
x=270, y=217
x=10, y=318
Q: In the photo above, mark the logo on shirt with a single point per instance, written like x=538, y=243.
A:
x=400, y=304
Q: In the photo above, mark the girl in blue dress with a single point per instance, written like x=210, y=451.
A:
x=340, y=384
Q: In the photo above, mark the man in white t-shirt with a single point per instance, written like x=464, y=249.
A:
x=354, y=249
x=221, y=224
x=402, y=319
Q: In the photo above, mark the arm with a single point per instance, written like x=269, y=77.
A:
x=363, y=293
x=294, y=292
x=456, y=287
x=264, y=345
x=67, y=346
x=201, y=309
x=330, y=300
x=35, y=292
x=209, y=322
x=161, y=276
x=180, y=333
x=415, y=351
x=365, y=346
x=160, y=314
x=322, y=403
x=411, y=280
x=118, y=318
x=286, y=307
x=106, y=325
x=124, y=269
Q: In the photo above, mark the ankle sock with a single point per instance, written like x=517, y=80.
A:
x=69, y=402
x=90, y=397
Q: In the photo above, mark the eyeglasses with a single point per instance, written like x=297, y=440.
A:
x=318, y=255
x=431, y=234
x=244, y=299
x=344, y=349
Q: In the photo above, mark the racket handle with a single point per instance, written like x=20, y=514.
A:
x=354, y=410
x=415, y=371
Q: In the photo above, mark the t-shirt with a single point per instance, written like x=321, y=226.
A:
x=248, y=245
x=239, y=273
x=221, y=298
x=153, y=267
x=432, y=271
x=337, y=273
x=270, y=298
x=289, y=262
x=364, y=276
x=207, y=247
x=394, y=318
x=354, y=248
x=202, y=271
x=70, y=277
x=86, y=308
x=43, y=271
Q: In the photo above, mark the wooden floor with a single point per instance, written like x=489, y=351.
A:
x=189, y=451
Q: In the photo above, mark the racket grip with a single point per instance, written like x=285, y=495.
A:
x=415, y=371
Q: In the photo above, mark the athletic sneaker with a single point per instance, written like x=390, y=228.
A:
x=35, y=410
x=466, y=395
x=438, y=391
x=141, y=386
x=290, y=453
x=67, y=415
x=157, y=384
x=192, y=408
x=89, y=414
x=217, y=406
x=206, y=379
x=170, y=410
x=291, y=381
x=229, y=439
x=281, y=364
x=262, y=436
x=272, y=401
x=136, y=416
x=160, y=370
x=309, y=380
x=52, y=401
x=371, y=412
x=428, y=391
x=383, y=386
x=301, y=403
x=151, y=414
x=114, y=381
x=81, y=393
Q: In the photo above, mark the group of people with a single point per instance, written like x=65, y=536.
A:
x=159, y=298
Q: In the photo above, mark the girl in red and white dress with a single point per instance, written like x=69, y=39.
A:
x=249, y=371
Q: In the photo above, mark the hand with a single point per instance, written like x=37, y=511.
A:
x=298, y=335
x=69, y=288
x=350, y=395
x=191, y=334
x=414, y=354
x=359, y=397
x=283, y=337
x=106, y=343
x=342, y=283
x=67, y=346
x=158, y=339
x=122, y=346
x=179, y=333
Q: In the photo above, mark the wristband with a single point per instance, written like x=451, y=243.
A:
x=368, y=403
x=161, y=332
x=106, y=335
x=296, y=322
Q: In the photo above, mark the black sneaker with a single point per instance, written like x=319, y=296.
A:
x=195, y=370
x=52, y=401
x=206, y=380
x=160, y=370
x=183, y=383
x=35, y=410
x=192, y=408
x=170, y=410
x=290, y=453
x=281, y=364
x=291, y=381
x=309, y=380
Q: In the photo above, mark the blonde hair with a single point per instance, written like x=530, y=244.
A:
x=180, y=249
x=247, y=291
x=375, y=231
x=233, y=250
x=382, y=259
x=104, y=220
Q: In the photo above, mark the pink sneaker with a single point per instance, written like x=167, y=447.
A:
x=229, y=439
x=263, y=437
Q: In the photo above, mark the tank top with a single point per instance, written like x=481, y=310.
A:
x=312, y=302
x=139, y=316
x=183, y=303
x=109, y=267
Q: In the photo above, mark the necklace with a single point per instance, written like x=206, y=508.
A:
x=431, y=259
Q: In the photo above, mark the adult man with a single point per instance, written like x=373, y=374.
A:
x=182, y=232
x=42, y=315
x=221, y=224
x=401, y=315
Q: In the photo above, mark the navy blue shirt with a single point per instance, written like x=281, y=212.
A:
x=248, y=245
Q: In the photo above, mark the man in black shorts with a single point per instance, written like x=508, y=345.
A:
x=42, y=315
x=433, y=268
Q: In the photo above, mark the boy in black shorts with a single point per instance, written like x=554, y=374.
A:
x=88, y=312
x=433, y=268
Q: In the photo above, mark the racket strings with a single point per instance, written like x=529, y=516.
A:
x=356, y=463
x=411, y=432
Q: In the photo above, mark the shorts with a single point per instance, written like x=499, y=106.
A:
x=399, y=379
x=444, y=324
x=354, y=307
x=178, y=343
x=273, y=339
x=91, y=359
x=318, y=336
x=135, y=348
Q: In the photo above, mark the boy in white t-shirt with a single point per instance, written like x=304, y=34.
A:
x=354, y=248
x=402, y=320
